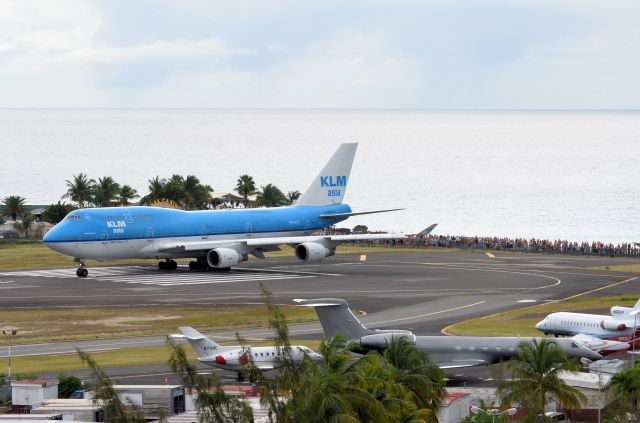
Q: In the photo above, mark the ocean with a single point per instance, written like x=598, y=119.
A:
x=556, y=175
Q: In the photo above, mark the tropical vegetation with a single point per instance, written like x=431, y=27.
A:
x=400, y=385
x=245, y=186
x=188, y=192
x=270, y=196
x=80, y=190
x=56, y=212
x=534, y=375
x=13, y=205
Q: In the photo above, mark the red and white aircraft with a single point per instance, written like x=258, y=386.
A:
x=609, y=334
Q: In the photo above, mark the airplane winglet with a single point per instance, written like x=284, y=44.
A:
x=427, y=230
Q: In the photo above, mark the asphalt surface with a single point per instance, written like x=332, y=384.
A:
x=421, y=292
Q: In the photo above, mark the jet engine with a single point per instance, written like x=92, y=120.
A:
x=612, y=325
x=379, y=340
x=312, y=252
x=222, y=258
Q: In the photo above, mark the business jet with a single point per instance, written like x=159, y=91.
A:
x=239, y=358
x=217, y=239
x=447, y=352
x=617, y=327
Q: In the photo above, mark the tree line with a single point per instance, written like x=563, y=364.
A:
x=185, y=191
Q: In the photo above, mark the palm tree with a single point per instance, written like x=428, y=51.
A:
x=156, y=190
x=25, y=224
x=56, y=212
x=626, y=384
x=13, y=205
x=245, y=186
x=105, y=191
x=292, y=196
x=125, y=194
x=194, y=194
x=535, y=374
x=270, y=196
x=416, y=373
x=80, y=189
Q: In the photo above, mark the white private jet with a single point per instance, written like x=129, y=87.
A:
x=238, y=358
x=604, y=332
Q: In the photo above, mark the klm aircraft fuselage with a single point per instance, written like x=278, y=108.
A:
x=217, y=239
x=143, y=232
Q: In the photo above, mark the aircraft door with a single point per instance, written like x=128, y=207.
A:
x=307, y=224
x=104, y=235
x=248, y=228
x=204, y=232
x=149, y=234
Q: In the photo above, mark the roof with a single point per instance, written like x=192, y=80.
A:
x=41, y=382
x=147, y=386
x=452, y=396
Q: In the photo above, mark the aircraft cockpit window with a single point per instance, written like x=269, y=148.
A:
x=73, y=217
x=574, y=345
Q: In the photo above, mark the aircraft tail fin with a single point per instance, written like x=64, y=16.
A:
x=203, y=346
x=636, y=307
x=330, y=185
x=335, y=316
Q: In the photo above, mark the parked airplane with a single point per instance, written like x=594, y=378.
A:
x=237, y=358
x=218, y=239
x=618, y=326
x=445, y=351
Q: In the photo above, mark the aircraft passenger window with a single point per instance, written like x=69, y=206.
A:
x=458, y=348
x=511, y=349
x=261, y=355
x=498, y=349
x=485, y=348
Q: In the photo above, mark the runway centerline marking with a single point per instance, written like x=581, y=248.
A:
x=427, y=314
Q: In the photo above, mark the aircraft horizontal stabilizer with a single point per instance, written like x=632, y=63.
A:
x=190, y=333
x=320, y=302
x=341, y=215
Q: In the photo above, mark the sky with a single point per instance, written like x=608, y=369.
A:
x=479, y=54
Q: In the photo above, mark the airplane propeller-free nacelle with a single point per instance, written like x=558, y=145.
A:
x=611, y=324
x=312, y=252
x=380, y=340
x=221, y=258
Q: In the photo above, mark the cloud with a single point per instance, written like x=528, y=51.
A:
x=155, y=50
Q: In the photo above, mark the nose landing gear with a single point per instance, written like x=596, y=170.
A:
x=82, y=271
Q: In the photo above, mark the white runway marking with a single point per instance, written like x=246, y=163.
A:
x=146, y=275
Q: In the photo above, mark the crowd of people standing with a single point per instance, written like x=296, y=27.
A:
x=623, y=249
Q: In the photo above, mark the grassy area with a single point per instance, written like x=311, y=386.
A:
x=35, y=255
x=106, y=359
x=631, y=268
x=521, y=322
x=64, y=324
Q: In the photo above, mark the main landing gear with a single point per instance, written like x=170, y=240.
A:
x=167, y=265
x=82, y=271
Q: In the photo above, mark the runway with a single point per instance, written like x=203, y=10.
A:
x=422, y=292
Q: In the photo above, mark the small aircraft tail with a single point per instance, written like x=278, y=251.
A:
x=335, y=316
x=203, y=346
x=636, y=307
x=330, y=185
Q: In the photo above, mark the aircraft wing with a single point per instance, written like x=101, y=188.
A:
x=266, y=242
x=455, y=364
x=341, y=215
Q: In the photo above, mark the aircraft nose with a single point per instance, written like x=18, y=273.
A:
x=53, y=235
x=540, y=325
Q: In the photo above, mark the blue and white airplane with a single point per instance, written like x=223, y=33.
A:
x=217, y=239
